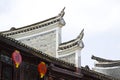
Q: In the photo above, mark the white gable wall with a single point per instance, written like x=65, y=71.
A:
x=45, y=39
x=71, y=55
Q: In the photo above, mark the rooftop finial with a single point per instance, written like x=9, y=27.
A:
x=13, y=28
x=62, y=12
x=81, y=34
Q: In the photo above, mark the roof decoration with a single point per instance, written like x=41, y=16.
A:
x=62, y=13
x=80, y=36
x=12, y=28
x=75, y=42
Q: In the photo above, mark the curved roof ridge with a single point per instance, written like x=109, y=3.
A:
x=102, y=59
x=62, y=13
x=111, y=64
x=81, y=35
x=36, y=25
x=74, y=42
x=32, y=24
x=67, y=42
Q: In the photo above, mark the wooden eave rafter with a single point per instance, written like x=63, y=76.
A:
x=66, y=72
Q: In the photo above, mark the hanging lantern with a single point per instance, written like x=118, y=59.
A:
x=17, y=58
x=42, y=69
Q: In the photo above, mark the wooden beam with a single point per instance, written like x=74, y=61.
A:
x=66, y=72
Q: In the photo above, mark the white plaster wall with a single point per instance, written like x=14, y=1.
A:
x=45, y=42
x=71, y=55
x=111, y=71
x=45, y=39
x=78, y=58
x=69, y=58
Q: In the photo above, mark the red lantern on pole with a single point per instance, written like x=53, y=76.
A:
x=42, y=69
x=17, y=58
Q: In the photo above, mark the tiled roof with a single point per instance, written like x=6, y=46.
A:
x=105, y=62
x=68, y=44
x=29, y=28
x=72, y=43
x=35, y=52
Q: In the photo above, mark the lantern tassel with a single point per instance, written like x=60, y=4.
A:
x=17, y=65
x=41, y=75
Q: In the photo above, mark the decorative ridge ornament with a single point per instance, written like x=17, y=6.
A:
x=80, y=36
x=62, y=13
x=42, y=69
x=17, y=58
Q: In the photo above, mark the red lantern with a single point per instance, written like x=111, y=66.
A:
x=17, y=58
x=42, y=69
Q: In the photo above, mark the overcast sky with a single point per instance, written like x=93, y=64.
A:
x=99, y=18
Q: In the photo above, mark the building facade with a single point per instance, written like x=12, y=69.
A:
x=28, y=69
x=46, y=37
x=41, y=43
